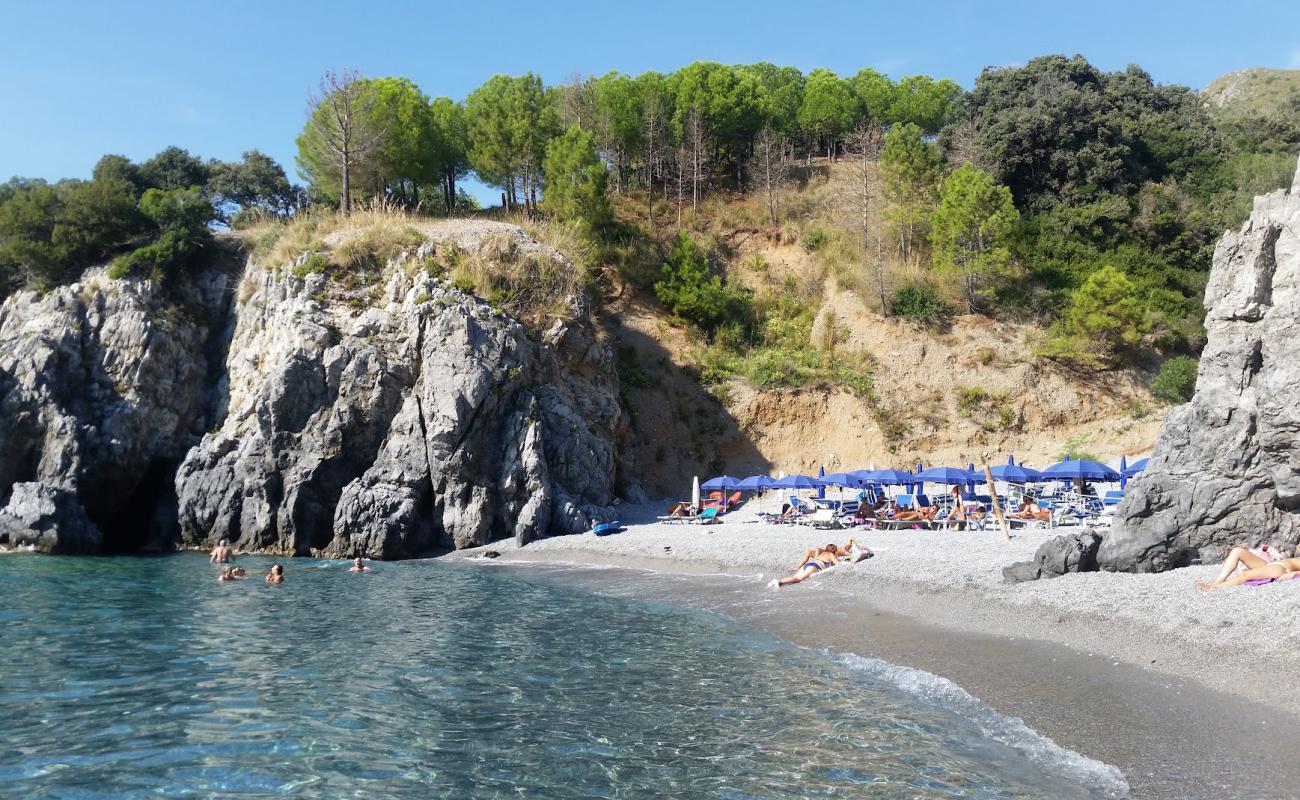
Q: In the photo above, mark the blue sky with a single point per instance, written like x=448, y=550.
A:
x=82, y=78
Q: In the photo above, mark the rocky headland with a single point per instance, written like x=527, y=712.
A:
x=275, y=410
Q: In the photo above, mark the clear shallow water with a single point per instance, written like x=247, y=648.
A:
x=135, y=677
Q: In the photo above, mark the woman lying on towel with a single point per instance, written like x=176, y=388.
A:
x=813, y=561
x=1266, y=565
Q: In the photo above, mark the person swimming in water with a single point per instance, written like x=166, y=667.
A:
x=221, y=554
x=357, y=566
x=228, y=574
x=276, y=575
x=238, y=572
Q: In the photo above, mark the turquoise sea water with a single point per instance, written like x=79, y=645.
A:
x=145, y=677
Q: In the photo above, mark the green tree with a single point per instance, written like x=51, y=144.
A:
x=910, y=169
x=576, y=179
x=337, y=144
x=618, y=113
x=829, y=109
x=119, y=168
x=876, y=92
x=783, y=90
x=1103, y=321
x=174, y=168
x=969, y=230
x=255, y=181
x=452, y=147
x=729, y=103
x=924, y=102
x=180, y=218
x=510, y=120
x=97, y=217
x=400, y=120
x=27, y=220
x=692, y=292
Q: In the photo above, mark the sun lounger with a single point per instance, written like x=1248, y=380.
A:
x=708, y=516
x=823, y=518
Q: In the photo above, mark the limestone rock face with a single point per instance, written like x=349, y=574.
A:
x=49, y=519
x=1226, y=469
x=426, y=419
x=103, y=388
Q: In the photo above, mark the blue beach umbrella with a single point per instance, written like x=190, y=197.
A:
x=1079, y=469
x=839, y=479
x=1014, y=473
x=952, y=476
x=1123, y=468
x=795, y=482
x=754, y=483
x=895, y=477
x=721, y=483
x=1136, y=467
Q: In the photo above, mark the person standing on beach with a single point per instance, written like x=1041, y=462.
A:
x=221, y=554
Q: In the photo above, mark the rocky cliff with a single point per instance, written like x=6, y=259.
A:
x=292, y=415
x=103, y=389
x=1226, y=469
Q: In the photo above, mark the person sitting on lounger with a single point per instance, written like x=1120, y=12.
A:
x=813, y=561
x=1256, y=569
x=682, y=509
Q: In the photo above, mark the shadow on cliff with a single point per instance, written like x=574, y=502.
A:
x=677, y=429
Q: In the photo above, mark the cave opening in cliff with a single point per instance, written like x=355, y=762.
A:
x=146, y=522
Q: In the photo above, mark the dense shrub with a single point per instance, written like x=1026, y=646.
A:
x=692, y=292
x=814, y=239
x=1176, y=380
x=921, y=303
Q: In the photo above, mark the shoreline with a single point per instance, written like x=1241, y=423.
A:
x=1130, y=689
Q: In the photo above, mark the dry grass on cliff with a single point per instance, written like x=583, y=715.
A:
x=534, y=287
x=368, y=237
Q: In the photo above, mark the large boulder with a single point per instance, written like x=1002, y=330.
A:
x=1060, y=555
x=48, y=519
x=103, y=389
x=421, y=417
x=1226, y=469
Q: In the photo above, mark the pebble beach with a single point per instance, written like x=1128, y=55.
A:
x=1242, y=641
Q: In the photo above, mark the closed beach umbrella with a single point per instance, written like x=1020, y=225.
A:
x=695, y=492
x=970, y=487
x=1123, y=468
x=821, y=490
x=1079, y=469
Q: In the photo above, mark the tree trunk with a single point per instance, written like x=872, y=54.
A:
x=345, y=202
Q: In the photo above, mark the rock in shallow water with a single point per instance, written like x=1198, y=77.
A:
x=1226, y=468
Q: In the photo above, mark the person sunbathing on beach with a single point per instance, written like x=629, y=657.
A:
x=682, y=509
x=221, y=554
x=357, y=566
x=276, y=575
x=1256, y=569
x=853, y=552
x=1030, y=510
x=228, y=574
x=813, y=561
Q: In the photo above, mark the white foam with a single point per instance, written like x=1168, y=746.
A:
x=1010, y=731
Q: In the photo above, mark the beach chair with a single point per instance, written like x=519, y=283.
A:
x=708, y=516
x=1113, y=497
x=823, y=518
